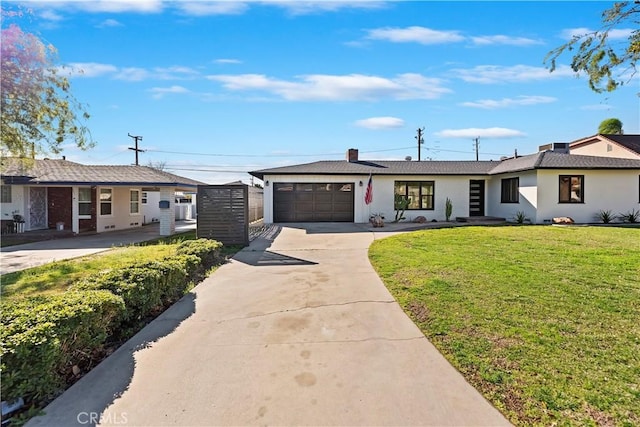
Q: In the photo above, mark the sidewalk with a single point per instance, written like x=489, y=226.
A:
x=20, y=257
x=297, y=330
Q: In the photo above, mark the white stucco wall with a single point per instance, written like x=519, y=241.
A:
x=455, y=188
x=18, y=203
x=120, y=217
x=151, y=210
x=615, y=190
x=528, y=198
x=604, y=149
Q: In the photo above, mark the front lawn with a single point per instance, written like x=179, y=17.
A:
x=543, y=320
x=56, y=277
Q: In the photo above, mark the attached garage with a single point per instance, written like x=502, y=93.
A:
x=313, y=202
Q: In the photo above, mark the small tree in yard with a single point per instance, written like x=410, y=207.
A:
x=38, y=111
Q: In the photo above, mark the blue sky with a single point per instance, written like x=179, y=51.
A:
x=220, y=88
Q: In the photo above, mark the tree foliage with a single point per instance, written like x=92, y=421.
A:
x=39, y=113
x=608, y=62
x=610, y=126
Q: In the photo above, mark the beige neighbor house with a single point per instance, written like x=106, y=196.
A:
x=56, y=193
x=543, y=186
x=622, y=146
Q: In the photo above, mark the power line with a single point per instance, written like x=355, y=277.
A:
x=186, y=153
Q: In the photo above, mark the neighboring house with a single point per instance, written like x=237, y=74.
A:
x=621, y=146
x=544, y=185
x=54, y=193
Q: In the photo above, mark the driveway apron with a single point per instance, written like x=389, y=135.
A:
x=296, y=330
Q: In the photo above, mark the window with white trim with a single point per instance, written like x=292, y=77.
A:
x=134, y=202
x=84, y=202
x=106, y=201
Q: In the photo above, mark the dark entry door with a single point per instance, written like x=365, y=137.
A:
x=476, y=197
x=313, y=202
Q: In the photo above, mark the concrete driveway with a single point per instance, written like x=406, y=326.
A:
x=296, y=330
x=20, y=257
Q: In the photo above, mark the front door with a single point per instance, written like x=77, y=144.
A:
x=37, y=208
x=476, y=197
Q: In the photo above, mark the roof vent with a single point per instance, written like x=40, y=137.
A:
x=408, y=158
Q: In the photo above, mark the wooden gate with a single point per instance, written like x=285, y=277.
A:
x=223, y=213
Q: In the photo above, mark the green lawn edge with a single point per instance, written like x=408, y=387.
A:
x=542, y=320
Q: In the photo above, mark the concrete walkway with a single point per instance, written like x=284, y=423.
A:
x=21, y=257
x=296, y=330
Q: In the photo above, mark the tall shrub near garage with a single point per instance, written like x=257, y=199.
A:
x=43, y=337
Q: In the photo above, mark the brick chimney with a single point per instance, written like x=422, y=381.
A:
x=352, y=155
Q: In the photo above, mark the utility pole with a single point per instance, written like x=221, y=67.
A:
x=136, y=149
x=477, y=145
x=420, y=140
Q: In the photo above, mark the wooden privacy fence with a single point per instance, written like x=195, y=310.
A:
x=256, y=203
x=225, y=211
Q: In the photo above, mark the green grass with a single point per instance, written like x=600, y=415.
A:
x=56, y=277
x=544, y=321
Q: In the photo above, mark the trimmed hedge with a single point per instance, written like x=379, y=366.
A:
x=209, y=252
x=147, y=286
x=42, y=338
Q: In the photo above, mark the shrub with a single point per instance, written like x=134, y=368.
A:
x=145, y=287
x=136, y=284
x=209, y=251
x=448, y=209
x=606, y=216
x=520, y=217
x=43, y=337
x=632, y=216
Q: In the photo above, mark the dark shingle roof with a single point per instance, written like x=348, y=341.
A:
x=541, y=160
x=60, y=172
x=382, y=167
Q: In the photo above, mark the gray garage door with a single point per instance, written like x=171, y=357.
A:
x=313, y=202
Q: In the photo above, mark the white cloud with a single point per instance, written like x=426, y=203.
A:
x=132, y=74
x=504, y=40
x=160, y=92
x=352, y=87
x=88, y=69
x=109, y=23
x=596, y=107
x=377, y=123
x=227, y=61
x=50, y=15
x=302, y=7
x=207, y=8
x=488, y=74
x=491, y=104
x=415, y=34
x=614, y=34
x=480, y=132
x=174, y=73
x=98, y=6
